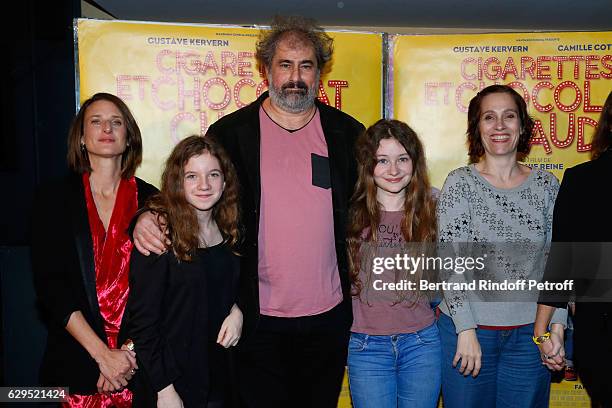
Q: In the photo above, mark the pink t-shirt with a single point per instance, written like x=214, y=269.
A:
x=381, y=312
x=298, y=269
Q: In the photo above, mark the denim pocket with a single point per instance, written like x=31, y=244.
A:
x=429, y=335
x=358, y=342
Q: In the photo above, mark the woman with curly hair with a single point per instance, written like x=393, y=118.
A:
x=181, y=305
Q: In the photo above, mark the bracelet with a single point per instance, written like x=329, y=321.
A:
x=541, y=339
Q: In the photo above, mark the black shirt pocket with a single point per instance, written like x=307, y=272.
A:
x=320, y=171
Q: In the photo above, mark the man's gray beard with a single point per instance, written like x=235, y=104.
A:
x=294, y=103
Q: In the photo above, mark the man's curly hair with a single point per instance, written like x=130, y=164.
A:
x=299, y=30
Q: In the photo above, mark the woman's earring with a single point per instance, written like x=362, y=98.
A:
x=83, y=149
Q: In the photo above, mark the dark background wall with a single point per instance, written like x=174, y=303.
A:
x=37, y=103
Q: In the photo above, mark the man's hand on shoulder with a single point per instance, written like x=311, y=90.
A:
x=149, y=236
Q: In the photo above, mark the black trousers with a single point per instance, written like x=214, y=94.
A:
x=295, y=362
x=593, y=350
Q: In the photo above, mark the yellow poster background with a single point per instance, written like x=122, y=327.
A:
x=178, y=79
x=568, y=75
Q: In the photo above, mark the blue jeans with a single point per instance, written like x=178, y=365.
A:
x=512, y=374
x=401, y=370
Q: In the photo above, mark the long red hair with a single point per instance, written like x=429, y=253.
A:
x=602, y=139
x=180, y=217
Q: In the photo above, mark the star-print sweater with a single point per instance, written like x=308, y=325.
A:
x=471, y=211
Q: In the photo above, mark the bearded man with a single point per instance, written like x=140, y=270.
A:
x=295, y=162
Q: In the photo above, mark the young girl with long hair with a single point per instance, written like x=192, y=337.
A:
x=181, y=306
x=394, y=355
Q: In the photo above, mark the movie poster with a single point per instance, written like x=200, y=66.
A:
x=179, y=79
x=564, y=77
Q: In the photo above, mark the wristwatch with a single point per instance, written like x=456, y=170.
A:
x=541, y=339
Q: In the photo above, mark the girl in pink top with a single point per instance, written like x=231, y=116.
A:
x=394, y=357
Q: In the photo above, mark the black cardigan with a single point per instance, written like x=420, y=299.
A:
x=239, y=134
x=170, y=314
x=65, y=279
